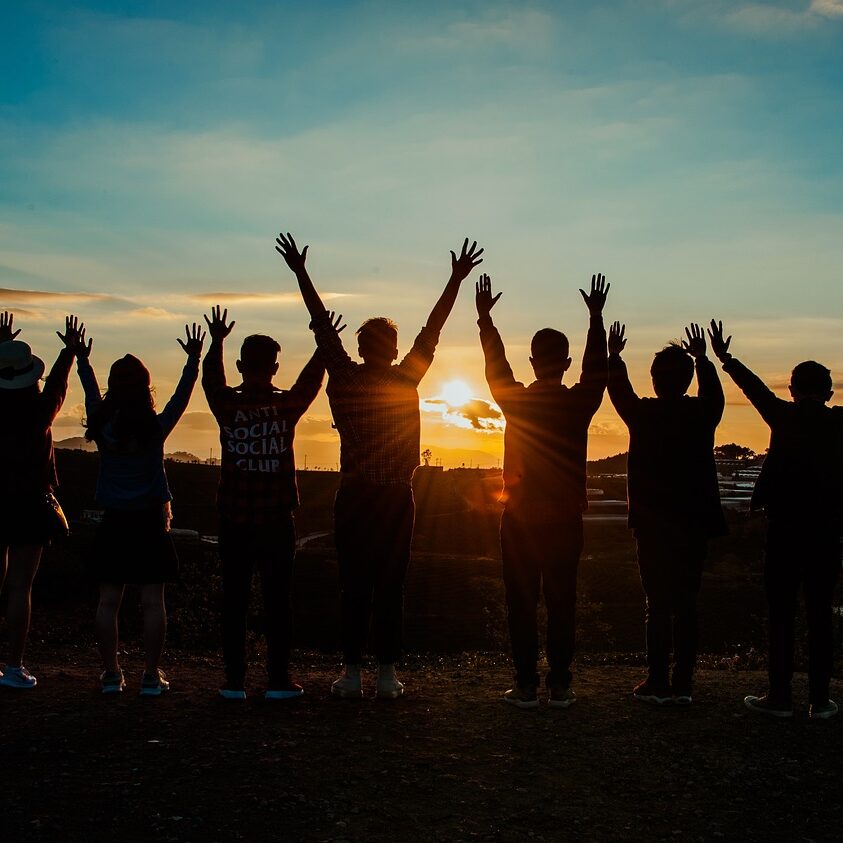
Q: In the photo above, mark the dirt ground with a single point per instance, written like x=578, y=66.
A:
x=450, y=761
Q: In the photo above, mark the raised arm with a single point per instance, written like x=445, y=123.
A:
x=286, y=246
x=460, y=269
x=499, y=374
x=621, y=393
x=192, y=347
x=55, y=386
x=710, y=390
x=7, y=331
x=594, y=367
x=768, y=404
x=309, y=381
x=213, y=366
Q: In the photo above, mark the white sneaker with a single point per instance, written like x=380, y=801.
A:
x=389, y=688
x=349, y=685
x=17, y=677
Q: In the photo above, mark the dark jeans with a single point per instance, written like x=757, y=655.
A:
x=269, y=548
x=807, y=556
x=541, y=557
x=670, y=563
x=373, y=525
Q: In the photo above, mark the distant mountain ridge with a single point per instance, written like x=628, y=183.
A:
x=80, y=443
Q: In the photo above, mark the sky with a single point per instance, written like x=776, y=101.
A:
x=690, y=151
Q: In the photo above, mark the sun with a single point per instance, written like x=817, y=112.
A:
x=456, y=393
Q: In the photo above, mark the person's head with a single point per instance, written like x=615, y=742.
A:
x=549, y=354
x=377, y=341
x=258, y=361
x=20, y=369
x=811, y=380
x=128, y=404
x=672, y=371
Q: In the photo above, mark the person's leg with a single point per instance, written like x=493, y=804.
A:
x=562, y=542
x=22, y=567
x=354, y=526
x=154, y=625
x=685, y=589
x=237, y=566
x=108, y=609
x=821, y=573
x=391, y=558
x=781, y=584
x=4, y=564
x=522, y=579
x=276, y=550
x=658, y=622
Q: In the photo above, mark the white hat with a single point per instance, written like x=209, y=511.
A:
x=19, y=367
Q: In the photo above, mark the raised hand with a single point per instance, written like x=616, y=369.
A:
x=616, y=340
x=195, y=339
x=596, y=300
x=483, y=296
x=469, y=258
x=216, y=324
x=287, y=248
x=696, y=341
x=74, y=336
x=719, y=346
x=6, y=332
x=336, y=319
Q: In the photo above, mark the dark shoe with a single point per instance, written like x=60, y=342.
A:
x=112, y=682
x=822, y=711
x=764, y=705
x=650, y=692
x=525, y=697
x=682, y=695
x=558, y=697
x=154, y=684
x=285, y=690
x=232, y=691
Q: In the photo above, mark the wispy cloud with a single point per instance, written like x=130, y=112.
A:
x=476, y=414
x=243, y=297
x=51, y=297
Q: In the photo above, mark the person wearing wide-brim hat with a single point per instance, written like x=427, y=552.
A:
x=30, y=514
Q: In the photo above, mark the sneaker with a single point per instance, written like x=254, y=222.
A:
x=17, y=677
x=285, y=690
x=650, y=692
x=682, y=695
x=558, y=697
x=348, y=686
x=764, y=705
x=389, y=688
x=154, y=684
x=822, y=711
x=112, y=682
x=232, y=691
x=525, y=697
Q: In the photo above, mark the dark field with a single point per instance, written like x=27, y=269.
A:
x=449, y=761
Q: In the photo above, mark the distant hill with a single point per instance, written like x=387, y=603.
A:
x=75, y=443
x=609, y=465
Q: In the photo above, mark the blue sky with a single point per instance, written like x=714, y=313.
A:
x=690, y=150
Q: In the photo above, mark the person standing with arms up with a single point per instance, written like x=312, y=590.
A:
x=674, y=501
x=31, y=515
x=544, y=491
x=800, y=491
x=375, y=405
x=133, y=544
x=256, y=498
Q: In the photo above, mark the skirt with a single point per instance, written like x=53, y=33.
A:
x=135, y=547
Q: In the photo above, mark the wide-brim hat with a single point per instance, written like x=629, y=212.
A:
x=19, y=367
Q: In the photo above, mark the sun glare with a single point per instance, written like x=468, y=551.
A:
x=456, y=393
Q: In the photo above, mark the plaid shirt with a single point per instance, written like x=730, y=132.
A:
x=258, y=476
x=376, y=410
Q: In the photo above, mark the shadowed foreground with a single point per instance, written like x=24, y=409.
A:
x=448, y=762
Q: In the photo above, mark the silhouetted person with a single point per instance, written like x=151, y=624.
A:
x=674, y=501
x=800, y=491
x=376, y=411
x=544, y=488
x=31, y=516
x=133, y=544
x=256, y=498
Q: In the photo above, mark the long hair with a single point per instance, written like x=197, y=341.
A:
x=127, y=407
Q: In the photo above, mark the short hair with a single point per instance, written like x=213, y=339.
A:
x=672, y=370
x=549, y=344
x=811, y=378
x=259, y=352
x=379, y=329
